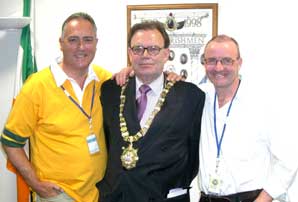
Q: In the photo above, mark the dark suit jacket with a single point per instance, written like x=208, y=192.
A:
x=168, y=153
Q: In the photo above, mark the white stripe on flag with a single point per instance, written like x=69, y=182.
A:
x=18, y=75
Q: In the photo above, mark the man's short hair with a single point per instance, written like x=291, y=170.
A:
x=149, y=25
x=79, y=15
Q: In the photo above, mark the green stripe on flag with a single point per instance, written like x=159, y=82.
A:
x=28, y=63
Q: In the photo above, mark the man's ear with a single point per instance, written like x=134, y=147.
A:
x=202, y=59
x=129, y=53
x=239, y=63
x=166, y=54
x=60, y=43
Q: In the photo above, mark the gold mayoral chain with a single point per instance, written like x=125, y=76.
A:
x=129, y=156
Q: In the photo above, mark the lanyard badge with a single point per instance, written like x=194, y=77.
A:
x=91, y=138
x=215, y=180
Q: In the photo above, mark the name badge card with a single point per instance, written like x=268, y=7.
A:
x=214, y=184
x=92, y=144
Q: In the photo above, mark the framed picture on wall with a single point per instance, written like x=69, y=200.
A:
x=189, y=26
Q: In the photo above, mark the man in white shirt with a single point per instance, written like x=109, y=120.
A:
x=238, y=162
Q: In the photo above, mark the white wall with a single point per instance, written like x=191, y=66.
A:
x=110, y=18
x=264, y=30
x=9, y=42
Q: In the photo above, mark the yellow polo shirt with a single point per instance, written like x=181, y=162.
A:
x=58, y=129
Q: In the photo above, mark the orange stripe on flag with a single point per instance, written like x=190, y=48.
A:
x=23, y=189
x=10, y=167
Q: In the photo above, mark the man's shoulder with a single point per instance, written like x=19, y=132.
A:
x=38, y=82
x=101, y=72
x=98, y=68
x=110, y=93
x=39, y=76
x=188, y=87
x=110, y=87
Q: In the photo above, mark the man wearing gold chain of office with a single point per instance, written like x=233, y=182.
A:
x=152, y=126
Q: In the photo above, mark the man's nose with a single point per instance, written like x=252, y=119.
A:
x=81, y=43
x=219, y=65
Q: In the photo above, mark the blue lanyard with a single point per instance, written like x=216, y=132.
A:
x=82, y=110
x=218, y=143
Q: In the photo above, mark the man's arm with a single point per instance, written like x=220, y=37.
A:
x=18, y=158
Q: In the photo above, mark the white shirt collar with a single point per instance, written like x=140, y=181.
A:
x=156, y=85
x=60, y=76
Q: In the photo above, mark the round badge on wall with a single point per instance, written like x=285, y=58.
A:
x=183, y=58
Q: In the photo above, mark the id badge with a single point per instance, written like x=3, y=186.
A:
x=214, y=184
x=92, y=144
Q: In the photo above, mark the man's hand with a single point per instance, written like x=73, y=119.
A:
x=123, y=75
x=47, y=189
x=172, y=76
x=20, y=161
x=264, y=197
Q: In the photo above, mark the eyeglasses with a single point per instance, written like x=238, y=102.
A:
x=225, y=61
x=151, y=50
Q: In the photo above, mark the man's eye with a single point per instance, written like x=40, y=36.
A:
x=227, y=59
x=73, y=40
x=88, y=39
x=138, y=49
x=153, y=49
x=211, y=60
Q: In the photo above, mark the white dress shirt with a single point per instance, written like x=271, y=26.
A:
x=247, y=159
x=293, y=191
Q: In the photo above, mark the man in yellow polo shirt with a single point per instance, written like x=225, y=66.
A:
x=59, y=110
